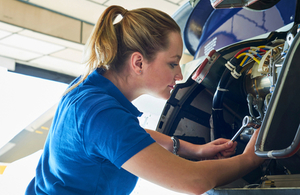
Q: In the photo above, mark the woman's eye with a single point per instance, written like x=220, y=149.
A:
x=173, y=65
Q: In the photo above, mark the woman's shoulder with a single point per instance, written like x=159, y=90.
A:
x=90, y=97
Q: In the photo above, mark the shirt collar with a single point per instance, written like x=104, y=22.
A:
x=105, y=85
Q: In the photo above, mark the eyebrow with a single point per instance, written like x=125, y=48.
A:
x=176, y=56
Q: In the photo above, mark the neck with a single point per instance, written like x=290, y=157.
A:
x=125, y=83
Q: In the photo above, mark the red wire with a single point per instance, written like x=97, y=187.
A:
x=247, y=48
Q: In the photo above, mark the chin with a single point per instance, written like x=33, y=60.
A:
x=162, y=95
x=165, y=96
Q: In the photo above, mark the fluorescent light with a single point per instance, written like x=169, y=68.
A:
x=22, y=42
x=9, y=28
x=4, y=34
x=58, y=65
x=69, y=54
x=54, y=40
x=18, y=54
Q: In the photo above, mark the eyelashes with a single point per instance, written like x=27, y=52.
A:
x=173, y=65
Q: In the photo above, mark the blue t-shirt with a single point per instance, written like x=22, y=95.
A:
x=95, y=130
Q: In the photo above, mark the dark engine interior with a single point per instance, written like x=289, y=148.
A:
x=231, y=83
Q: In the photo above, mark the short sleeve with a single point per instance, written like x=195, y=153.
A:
x=114, y=134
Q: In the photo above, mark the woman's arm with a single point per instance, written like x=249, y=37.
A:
x=159, y=166
x=219, y=148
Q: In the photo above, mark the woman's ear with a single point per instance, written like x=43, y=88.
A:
x=137, y=62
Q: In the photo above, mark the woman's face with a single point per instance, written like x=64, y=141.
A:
x=161, y=74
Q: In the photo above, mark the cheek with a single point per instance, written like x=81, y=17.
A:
x=166, y=74
x=157, y=76
x=160, y=78
x=164, y=79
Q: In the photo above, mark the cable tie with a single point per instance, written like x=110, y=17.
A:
x=222, y=89
x=215, y=109
x=235, y=74
x=270, y=155
x=229, y=66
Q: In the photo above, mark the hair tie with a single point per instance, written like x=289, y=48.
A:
x=125, y=12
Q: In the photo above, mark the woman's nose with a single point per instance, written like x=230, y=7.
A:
x=178, y=76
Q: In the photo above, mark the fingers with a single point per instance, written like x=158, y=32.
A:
x=220, y=148
x=229, y=146
x=233, y=146
x=220, y=141
x=229, y=151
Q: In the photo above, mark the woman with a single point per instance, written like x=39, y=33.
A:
x=96, y=146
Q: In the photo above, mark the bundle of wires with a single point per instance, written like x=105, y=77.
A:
x=235, y=68
x=253, y=53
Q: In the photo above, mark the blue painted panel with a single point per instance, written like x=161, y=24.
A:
x=195, y=24
x=181, y=17
x=208, y=28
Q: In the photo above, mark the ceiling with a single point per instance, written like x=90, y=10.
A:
x=50, y=34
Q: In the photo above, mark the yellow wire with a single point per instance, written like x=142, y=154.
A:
x=243, y=61
x=247, y=54
x=255, y=59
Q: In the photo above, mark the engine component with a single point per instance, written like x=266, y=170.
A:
x=283, y=109
x=271, y=181
x=247, y=122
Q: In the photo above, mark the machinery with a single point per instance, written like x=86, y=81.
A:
x=244, y=75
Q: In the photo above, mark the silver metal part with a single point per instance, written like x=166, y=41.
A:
x=290, y=38
x=248, y=121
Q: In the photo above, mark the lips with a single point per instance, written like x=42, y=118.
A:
x=171, y=86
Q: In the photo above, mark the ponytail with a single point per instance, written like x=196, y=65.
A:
x=143, y=30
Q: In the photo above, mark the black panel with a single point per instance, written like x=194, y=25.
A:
x=42, y=73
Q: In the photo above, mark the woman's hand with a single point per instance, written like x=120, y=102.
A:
x=217, y=149
x=249, y=150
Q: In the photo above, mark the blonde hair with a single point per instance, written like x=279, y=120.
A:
x=143, y=30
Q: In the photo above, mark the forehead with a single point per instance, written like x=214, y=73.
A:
x=175, y=46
